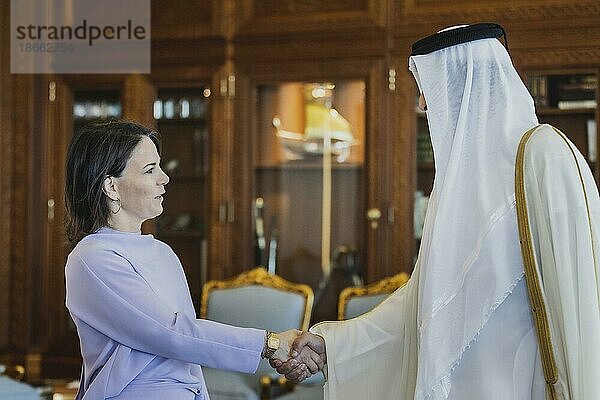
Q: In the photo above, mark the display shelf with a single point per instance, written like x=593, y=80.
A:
x=94, y=105
x=556, y=111
x=308, y=212
x=181, y=121
x=307, y=166
x=568, y=101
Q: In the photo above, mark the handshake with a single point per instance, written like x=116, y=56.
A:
x=300, y=355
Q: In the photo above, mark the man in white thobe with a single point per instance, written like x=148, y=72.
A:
x=462, y=328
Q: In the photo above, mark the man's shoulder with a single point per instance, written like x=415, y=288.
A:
x=548, y=141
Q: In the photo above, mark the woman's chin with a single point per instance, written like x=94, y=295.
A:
x=157, y=213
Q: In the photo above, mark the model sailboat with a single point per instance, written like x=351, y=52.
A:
x=320, y=120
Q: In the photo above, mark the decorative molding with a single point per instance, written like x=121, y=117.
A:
x=536, y=42
x=434, y=11
x=175, y=19
x=557, y=58
x=266, y=8
x=270, y=16
x=175, y=52
x=310, y=46
x=260, y=277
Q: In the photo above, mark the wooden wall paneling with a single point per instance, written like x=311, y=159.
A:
x=6, y=173
x=280, y=17
x=42, y=192
x=243, y=173
x=378, y=175
x=184, y=75
x=222, y=206
x=60, y=345
x=420, y=14
x=187, y=54
x=25, y=250
x=138, y=97
x=309, y=47
x=549, y=34
x=175, y=19
x=403, y=164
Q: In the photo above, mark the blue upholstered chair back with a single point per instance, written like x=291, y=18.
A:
x=11, y=389
x=357, y=300
x=257, y=306
x=359, y=305
x=256, y=299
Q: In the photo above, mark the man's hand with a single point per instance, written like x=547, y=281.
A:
x=308, y=352
x=282, y=355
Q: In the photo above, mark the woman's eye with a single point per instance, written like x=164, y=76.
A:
x=150, y=171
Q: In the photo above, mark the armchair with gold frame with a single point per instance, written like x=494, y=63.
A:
x=254, y=299
x=357, y=300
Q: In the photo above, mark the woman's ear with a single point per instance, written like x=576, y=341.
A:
x=109, y=188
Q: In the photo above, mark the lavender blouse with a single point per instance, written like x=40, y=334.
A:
x=138, y=330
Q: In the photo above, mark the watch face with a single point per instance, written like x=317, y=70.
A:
x=273, y=342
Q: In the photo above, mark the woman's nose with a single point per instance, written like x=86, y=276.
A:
x=165, y=178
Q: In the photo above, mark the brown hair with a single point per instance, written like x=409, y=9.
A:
x=97, y=150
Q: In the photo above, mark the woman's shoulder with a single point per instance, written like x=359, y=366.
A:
x=92, y=250
x=135, y=249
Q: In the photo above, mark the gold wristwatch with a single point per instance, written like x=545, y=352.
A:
x=271, y=345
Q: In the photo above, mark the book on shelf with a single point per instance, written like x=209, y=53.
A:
x=538, y=86
x=591, y=135
x=574, y=104
x=576, y=91
x=424, y=148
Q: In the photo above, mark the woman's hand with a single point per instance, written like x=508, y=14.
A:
x=307, y=356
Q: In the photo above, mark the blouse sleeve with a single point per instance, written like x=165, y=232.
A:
x=114, y=299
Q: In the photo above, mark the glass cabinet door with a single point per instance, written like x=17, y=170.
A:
x=95, y=105
x=182, y=118
x=308, y=206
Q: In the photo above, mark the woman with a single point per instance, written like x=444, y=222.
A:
x=127, y=292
